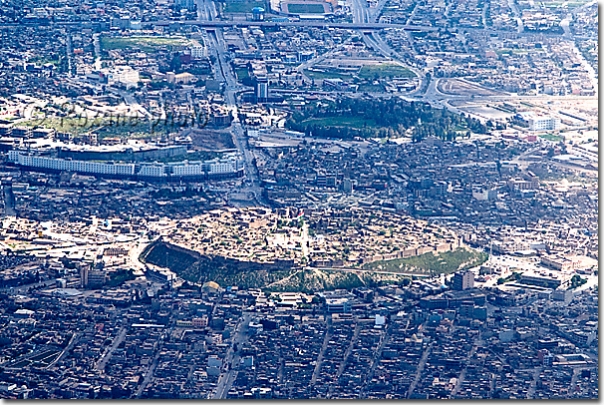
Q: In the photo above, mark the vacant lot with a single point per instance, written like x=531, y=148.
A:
x=210, y=140
x=385, y=70
x=325, y=75
x=463, y=88
x=142, y=43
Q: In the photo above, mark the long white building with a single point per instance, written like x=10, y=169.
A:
x=66, y=165
x=231, y=165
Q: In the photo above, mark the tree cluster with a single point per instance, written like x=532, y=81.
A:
x=384, y=118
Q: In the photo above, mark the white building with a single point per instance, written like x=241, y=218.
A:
x=79, y=166
x=230, y=164
x=221, y=168
x=199, y=52
x=152, y=171
x=544, y=123
x=124, y=75
x=188, y=170
x=484, y=194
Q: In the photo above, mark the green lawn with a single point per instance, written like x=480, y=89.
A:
x=143, y=43
x=103, y=127
x=325, y=75
x=242, y=73
x=445, y=262
x=552, y=137
x=385, y=70
x=44, y=60
x=354, y=122
x=242, y=6
x=67, y=124
x=302, y=8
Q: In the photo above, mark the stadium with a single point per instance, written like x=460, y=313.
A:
x=302, y=9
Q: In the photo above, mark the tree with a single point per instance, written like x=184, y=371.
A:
x=175, y=63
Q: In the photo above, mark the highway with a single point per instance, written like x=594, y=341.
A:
x=374, y=13
x=225, y=74
x=517, y=15
x=359, y=14
x=319, y=24
x=376, y=42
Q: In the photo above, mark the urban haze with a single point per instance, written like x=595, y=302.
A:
x=299, y=199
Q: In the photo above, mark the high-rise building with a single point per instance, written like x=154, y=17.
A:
x=199, y=52
x=261, y=89
x=123, y=22
x=92, y=276
x=258, y=14
x=186, y=4
x=463, y=280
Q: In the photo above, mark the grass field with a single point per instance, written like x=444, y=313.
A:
x=143, y=43
x=552, y=137
x=302, y=8
x=325, y=75
x=67, y=124
x=104, y=127
x=227, y=272
x=242, y=73
x=385, y=70
x=353, y=122
x=313, y=280
x=242, y=6
x=44, y=60
x=445, y=262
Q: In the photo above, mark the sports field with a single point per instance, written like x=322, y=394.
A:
x=305, y=8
